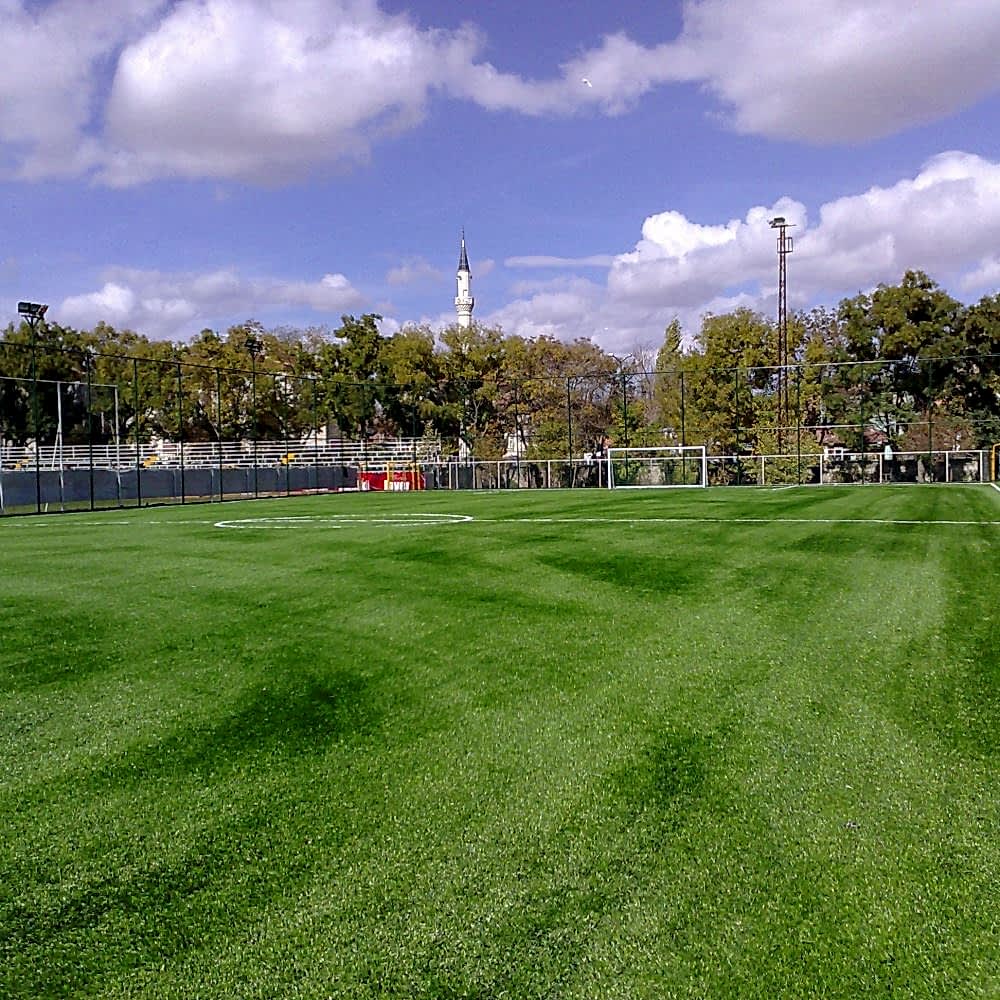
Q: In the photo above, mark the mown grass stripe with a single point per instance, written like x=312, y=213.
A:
x=585, y=745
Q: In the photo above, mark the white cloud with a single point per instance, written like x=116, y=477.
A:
x=413, y=270
x=49, y=78
x=174, y=306
x=595, y=260
x=264, y=91
x=985, y=276
x=841, y=70
x=945, y=220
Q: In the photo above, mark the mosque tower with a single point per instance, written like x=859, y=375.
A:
x=464, y=302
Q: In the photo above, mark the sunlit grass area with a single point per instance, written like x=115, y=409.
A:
x=706, y=743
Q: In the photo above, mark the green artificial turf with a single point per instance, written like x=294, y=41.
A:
x=704, y=743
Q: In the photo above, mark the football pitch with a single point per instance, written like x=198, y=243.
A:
x=643, y=744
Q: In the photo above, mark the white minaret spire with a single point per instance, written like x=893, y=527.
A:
x=464, y=302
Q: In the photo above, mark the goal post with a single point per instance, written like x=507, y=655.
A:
x=651, y=468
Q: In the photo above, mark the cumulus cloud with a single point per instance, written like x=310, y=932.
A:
x=841, y=70
x=542, y=261
x=49, y=79
x=685, y=268
x=165, y=305
x=413, y=270
x=264, y=91
x=985, y=276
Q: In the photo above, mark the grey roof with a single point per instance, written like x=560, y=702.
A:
x=463, y=259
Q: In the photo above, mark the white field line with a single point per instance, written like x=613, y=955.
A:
x=443, y=519
x=726, y=520
x=997, y=488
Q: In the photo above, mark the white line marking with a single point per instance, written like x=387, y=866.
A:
x=399, y=520
x=411, y=520
x=725, y=520
x=997, y=488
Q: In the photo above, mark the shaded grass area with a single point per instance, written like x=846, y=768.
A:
x=517, y=756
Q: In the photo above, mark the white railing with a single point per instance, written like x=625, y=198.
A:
x=873, y=467
x=226, y=454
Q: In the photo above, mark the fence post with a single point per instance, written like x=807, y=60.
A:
x=798, y=423
x=736, y=424
x=864, y=452
x=34, y=419
x=683, y=415
x=180, y=426
x=88, y=360
x=138, y=444
x=624, y=416
x=254, y=348
x=415, y=470
x=284, y=427
x=218, y=420
x=930, y=416
x=569, y=424
x=517, y=434
x=315, y=416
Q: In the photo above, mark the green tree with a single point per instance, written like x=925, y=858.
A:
x=472, y=365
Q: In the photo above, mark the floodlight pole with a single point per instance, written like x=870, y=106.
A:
x=33, y=313
x=254, y=348
x=784, y=249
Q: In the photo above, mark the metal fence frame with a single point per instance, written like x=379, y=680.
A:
x=554, y=431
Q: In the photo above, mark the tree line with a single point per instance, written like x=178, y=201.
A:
x=906, y=363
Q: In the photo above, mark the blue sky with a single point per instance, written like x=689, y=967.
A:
x=168, y=166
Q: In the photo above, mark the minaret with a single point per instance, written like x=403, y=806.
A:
x=464, y=302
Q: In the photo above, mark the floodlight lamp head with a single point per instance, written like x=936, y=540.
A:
x=254, y=347
x=777, y=222
x=31, y=310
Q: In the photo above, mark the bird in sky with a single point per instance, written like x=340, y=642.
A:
x=586, y=81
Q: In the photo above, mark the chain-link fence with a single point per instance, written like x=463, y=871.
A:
x=81, y=430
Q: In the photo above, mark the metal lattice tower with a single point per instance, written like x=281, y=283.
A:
x=784, y=249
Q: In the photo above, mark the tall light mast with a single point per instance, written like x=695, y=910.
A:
x=784, y=249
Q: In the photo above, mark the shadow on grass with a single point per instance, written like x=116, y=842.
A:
x=634, y=572
x=293, y=717
x=667, y=780
x=144, y=917
x=540, y=946
x=252, y=848
x=47, y=645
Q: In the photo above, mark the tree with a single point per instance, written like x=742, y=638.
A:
x=729, y=379
x=418, y=401
x=670, y=390
x=472, y=365
x=352, y=369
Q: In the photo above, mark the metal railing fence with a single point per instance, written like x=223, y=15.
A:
x=84, y=429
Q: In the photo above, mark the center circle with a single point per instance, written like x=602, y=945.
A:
x=400, y=520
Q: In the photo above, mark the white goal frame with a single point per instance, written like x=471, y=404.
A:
x=694, y=452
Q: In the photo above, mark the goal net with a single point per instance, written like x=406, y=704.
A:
x=646, y=468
